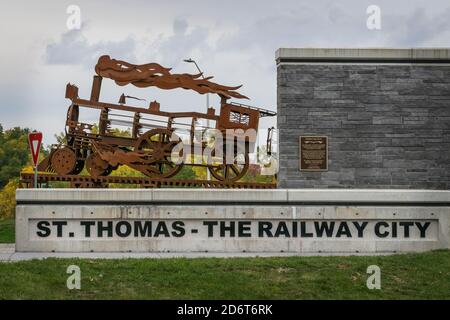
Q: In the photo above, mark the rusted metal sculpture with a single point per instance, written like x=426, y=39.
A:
x=152, y=74
x=83, y=181
x=150, y=148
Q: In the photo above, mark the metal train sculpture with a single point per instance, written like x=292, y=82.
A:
x=150, y=146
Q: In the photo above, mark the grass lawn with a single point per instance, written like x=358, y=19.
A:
x=411, y=276
x=7, y=232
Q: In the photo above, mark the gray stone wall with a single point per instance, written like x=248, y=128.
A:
x=388, y=124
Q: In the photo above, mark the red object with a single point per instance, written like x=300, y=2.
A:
x=34, y=140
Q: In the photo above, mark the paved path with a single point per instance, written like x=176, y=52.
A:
x=7, y=253
x=7, y=250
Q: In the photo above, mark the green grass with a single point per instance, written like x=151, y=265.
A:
x=7, y=232
x=411, y=276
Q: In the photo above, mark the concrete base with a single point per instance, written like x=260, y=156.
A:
x=256, y=222
x=23, y=256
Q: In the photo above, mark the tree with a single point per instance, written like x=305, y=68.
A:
x=14, y=153
x=8, y=199
x=186, y=173
x=60, y=138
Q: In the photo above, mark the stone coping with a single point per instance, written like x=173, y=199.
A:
x=233, y=196
x=399, y=55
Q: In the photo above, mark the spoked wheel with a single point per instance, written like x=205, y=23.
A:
x=64, y=161
x=228, y=171
x=96, y=166
x=158, y=146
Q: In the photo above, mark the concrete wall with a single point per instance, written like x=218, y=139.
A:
x=260, y=221
x=386, y=113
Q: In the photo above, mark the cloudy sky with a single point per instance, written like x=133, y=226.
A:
x=235, y=41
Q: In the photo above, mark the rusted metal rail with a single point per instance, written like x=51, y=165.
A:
x=82, y=181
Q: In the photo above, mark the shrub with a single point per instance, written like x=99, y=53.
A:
x=8, y=199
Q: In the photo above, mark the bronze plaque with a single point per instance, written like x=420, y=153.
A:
x=313, y=153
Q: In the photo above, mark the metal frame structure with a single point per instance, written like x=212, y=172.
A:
x=150, y=148
x=83, y=181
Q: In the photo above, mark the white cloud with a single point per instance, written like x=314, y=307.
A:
x=74, y=48
x=420, y=28
x=183, y=42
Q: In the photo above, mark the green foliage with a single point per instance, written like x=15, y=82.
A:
x=186, y=173
x=114, y=131
x=14, y=157
x=57, y=185
x=7, y=232
x=125, y=171
x=60, y=138
x=200, y=172
x=8, y=199
x=120, y=133
x=14, y=153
